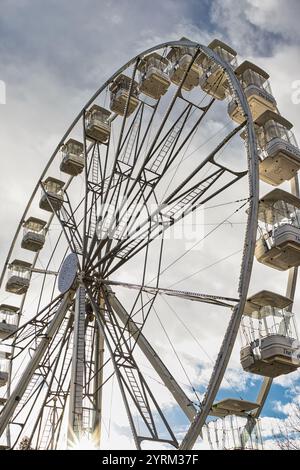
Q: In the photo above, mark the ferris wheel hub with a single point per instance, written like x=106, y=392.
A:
x=67, y=273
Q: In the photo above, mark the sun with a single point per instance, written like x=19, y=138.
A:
x=81, y=443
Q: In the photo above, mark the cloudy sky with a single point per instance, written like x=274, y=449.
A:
x=55, y=54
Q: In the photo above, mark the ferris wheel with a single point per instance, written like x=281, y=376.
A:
x=90, y=270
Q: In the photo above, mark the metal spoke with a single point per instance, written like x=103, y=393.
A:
x=194, y=296
x=128, y=248
x=149, y=154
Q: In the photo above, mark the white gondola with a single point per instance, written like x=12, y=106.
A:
x=52, y=195
x=279, y=243
x=119, y=94
x=257, y=90
x=213, y=79
x=18, y=277
x=271, y=342
x=154, y=80
x=4, y=366
x=97, y=125
x=34, y=234
x=231, y=433
x=72, y=158
x=8, y=320
x=233, y=406
x=180, y=59
x=279, y=152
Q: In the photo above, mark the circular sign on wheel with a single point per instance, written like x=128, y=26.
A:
x=67, y=273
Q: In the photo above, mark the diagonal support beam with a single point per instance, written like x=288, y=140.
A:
x=187, y=295
x=179, y=395
x=29, y=370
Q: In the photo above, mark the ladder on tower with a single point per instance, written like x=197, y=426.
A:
x=48, y=431
x=139, y=398
x=125, y=365
x=127, y=155
x=32, y=387
x=68, y=222
x=135, y=388
x=155, y=164
x=95, y=177
x=189, y=197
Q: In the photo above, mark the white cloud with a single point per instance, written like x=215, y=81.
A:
x=274, y=17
